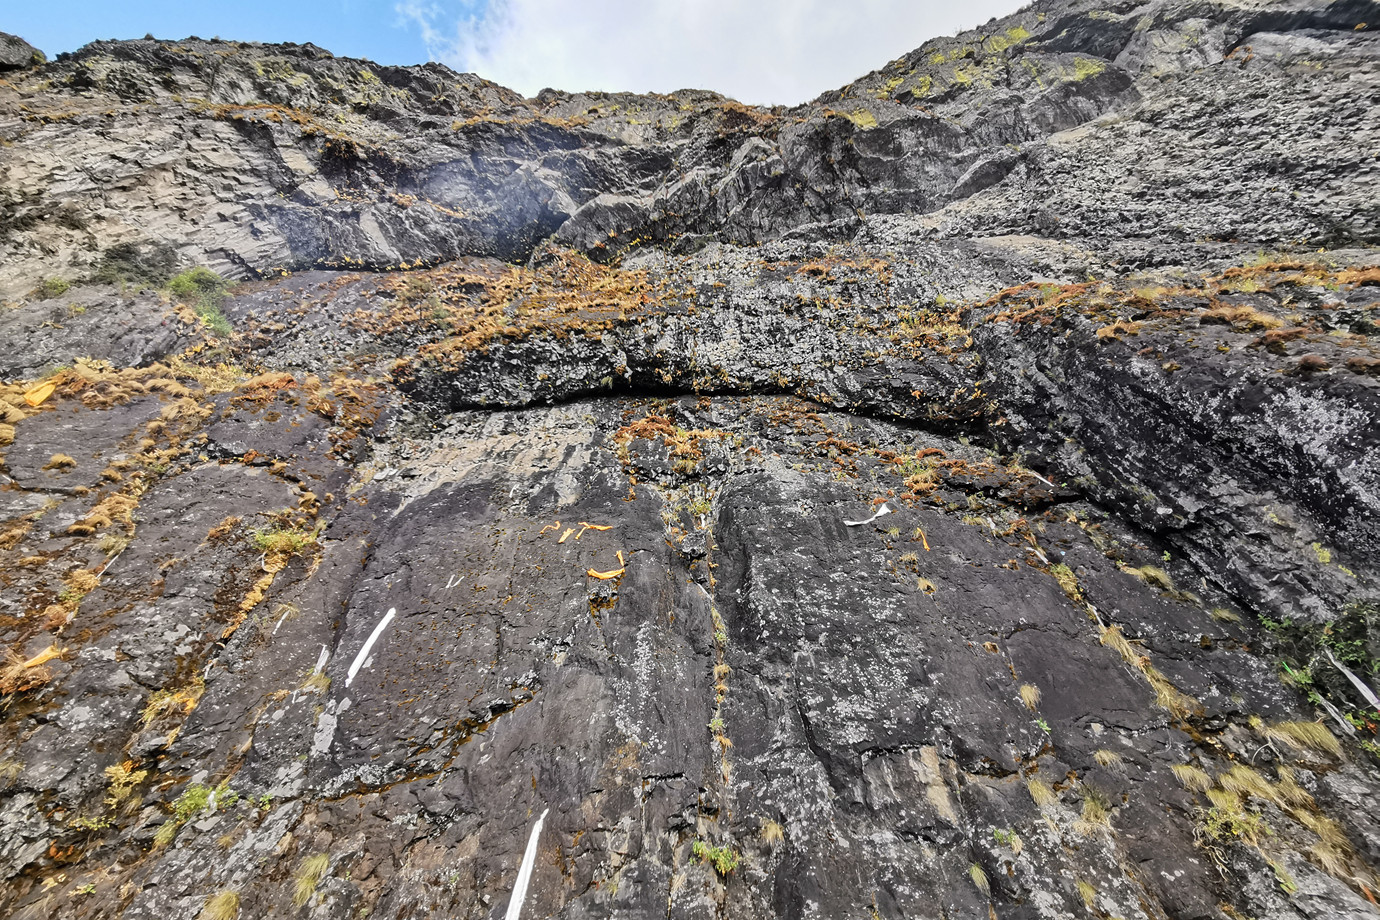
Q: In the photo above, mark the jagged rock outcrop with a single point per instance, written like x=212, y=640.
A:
x=535, y=468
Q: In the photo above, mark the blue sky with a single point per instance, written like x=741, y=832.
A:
x=759, y=51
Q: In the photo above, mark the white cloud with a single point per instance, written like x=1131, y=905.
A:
x=758, y=51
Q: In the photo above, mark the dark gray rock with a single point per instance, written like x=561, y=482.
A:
x=541, y=474
x=17, y=54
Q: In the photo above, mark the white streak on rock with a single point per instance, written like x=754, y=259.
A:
x=1368, y=693
x=369, y=644
x=884, y=509
x=525, y=873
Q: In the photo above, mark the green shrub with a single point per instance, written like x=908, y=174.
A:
x=204, y=291
x=139, y=264
x=723, y=859
x=49, y=288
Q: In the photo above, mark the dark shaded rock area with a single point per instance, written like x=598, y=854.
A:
x=955, y=497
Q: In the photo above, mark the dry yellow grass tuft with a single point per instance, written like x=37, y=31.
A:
x=1030, y=695
x=1241, y=317
x=980, y=879
x=19, y=674
x=1041, y=793
x=181, y=700
x=1152, y=575
x=1244, y=780
x=1116, y=640
x=1106, y=758
x=1169, y=697
x=308, y=877
x=772, y=833
x=59, y=462
x=1291, y=791
x=1192, y=778
x=224, y=906
x=1313, y=736
x=1096, y=813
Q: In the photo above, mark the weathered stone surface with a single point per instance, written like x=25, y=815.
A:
x=540, y=474
x=17, y=54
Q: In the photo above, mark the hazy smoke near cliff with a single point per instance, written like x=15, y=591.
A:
x=769, y=52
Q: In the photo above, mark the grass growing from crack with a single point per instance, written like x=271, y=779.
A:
x=1030, y=695
x=166, y=702
x=308, y=876
x=1192, y=778
x=283, y=542
x=1226, y=823
x=1041, y=792
x=224, y=906
x=1096, y=813
x=1152, y=575
x=979, y=878
x=1313, y=736
x=1106, y=758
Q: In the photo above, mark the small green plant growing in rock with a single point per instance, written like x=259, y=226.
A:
x=1286, y=881
x=1228, y=823
x=194, y=799
x=723, y=859
x=1008, y=838
x=1044, y=726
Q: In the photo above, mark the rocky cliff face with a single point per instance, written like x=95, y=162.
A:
x=955, y=497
